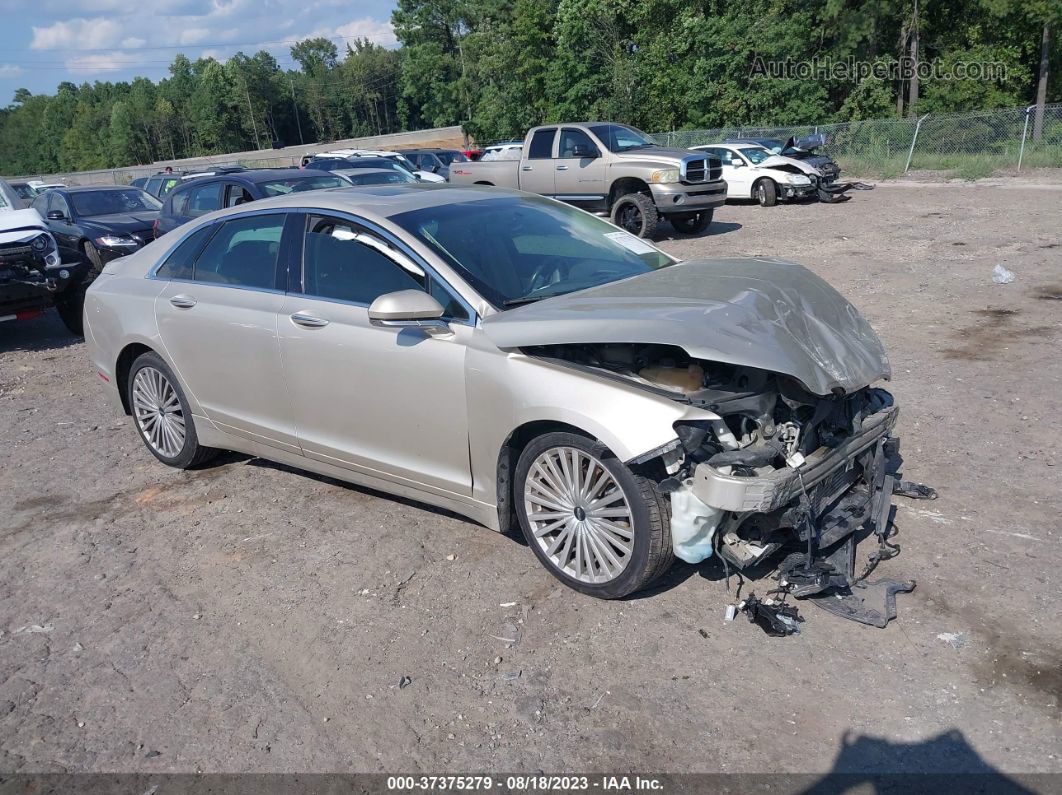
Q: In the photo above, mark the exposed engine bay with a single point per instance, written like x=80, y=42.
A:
x=780, y=473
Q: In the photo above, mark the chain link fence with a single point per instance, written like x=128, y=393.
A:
x=971, y=144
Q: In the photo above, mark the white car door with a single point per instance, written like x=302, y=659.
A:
x=736, y=172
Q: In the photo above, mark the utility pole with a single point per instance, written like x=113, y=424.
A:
x=912, y=100
x=1041, y=88
x=295, y=107
x=257, y=143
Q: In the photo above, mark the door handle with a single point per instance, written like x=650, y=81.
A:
x=525, y=168
x=183, y=301
x=562, y=168
x=307, y=320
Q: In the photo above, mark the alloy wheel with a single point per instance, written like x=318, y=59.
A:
x=158, y=412
x=630, y=218
x=579, y=515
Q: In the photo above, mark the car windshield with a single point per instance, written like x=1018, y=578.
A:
x=110, y=202
x=619, y=138
x=755, y=156
x=515, y=250
x=278, y=187
x=774, y=146
x=378, y=177
x=451, y=157
x=24, y=191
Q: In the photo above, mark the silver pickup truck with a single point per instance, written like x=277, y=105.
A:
x=610, y=169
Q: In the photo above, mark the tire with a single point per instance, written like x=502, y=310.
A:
x=765, y=192
x=93, y=256
x=636, y=213
x=576, y=550
x=157, y=386
x=692, y=223
x=71, y=308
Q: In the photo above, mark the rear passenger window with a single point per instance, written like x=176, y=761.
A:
x=179, y=202
x=179, y=264
x=236, y=194
x=541, y=145
x=204, y=199
x=243, y=253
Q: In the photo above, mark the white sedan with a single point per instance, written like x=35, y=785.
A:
x=754, y=172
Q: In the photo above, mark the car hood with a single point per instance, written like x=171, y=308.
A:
x=19, y=225
x=121, y=223
x=769, y=314
x=774, y=161
x=657, y=154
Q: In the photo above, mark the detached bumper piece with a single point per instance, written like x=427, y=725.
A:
x=834, y=192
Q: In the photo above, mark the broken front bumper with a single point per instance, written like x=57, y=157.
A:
x=765, y=493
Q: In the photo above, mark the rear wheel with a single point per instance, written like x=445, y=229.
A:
x=594, y=524
x=636, y=213
x=692, y=223
x=765, y=192
x=162, y=415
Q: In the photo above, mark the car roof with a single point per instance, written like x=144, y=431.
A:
x=254, y=176
x=377, y=202
x=84, y=188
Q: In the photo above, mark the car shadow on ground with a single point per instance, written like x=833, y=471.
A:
x=715, y=229
x=944, y=763
x=42, y=333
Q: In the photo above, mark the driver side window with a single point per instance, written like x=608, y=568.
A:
x=570, y=139
x=344, y=262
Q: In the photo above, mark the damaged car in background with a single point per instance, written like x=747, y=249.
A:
x=531, y=366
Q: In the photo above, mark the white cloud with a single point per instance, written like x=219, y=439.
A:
x=368, y=28
x=81, y=34
x=193, y=35
x=8, y=70
x=95, y=64
x=134, y=42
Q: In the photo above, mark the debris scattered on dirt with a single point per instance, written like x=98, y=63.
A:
x=1001, y=275
x=957, y=640
x=915, y=491
x=777, y=619
x=451, y=557
x=703, y=633
x=404, y=682
x=1050, y=293
x=507, y=604
x=34, y=629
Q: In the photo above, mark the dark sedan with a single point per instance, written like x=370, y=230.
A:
x=199, y=196
x=101, y=223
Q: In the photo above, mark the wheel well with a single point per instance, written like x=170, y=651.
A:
x=510, y=454
x=129, y=354
x=621, y=187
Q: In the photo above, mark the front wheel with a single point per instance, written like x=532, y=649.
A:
x=765, y=192
x=636, y=213
x=71, y=308
x=692, y=223
x=162, y=415
x=594, y=524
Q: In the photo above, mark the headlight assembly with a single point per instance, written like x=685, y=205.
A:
x=664, y=176
x=42, y=243
x=116, y=241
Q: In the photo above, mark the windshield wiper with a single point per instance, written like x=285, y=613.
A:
x=527, y=299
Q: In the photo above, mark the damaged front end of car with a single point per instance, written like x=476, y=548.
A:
x=791, y=463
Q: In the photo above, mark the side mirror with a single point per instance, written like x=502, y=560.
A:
x=56, y=215
x=408, y=309
x=737, y=163
x=435, y=168
x=582, y=150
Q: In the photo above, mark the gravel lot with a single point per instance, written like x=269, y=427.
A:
x=250, y=617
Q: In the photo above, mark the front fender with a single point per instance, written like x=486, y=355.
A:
x=508, y=391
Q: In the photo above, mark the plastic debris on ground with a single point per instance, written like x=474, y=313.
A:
x=915, y=491
x=777, y=619
x=1001, y=275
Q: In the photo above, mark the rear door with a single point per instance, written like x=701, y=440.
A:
x=219, y=327
x=537, y=170
x=580, y=169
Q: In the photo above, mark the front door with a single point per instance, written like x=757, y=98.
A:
x=580, y=170
x=387, y=402
x=736, y=173
x=219, y=330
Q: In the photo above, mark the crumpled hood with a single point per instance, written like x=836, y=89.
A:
x=20, y=225
x=769, y=314
x=782, y=160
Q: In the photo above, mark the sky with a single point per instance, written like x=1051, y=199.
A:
x=44, y=42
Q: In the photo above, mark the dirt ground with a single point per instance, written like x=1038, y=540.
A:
x=250, y=617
